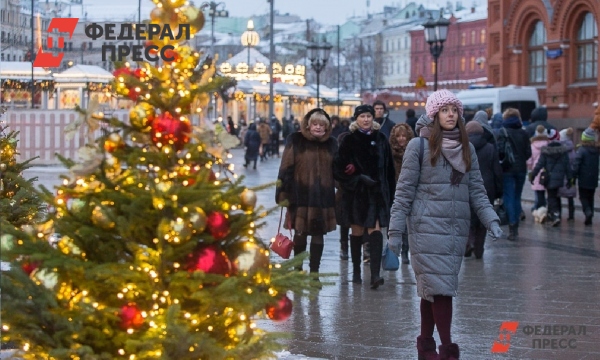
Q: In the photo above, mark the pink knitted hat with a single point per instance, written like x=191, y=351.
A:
x=441, y=98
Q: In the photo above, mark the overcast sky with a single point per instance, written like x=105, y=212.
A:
x=331, y=12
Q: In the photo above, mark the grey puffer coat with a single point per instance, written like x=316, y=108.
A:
x=438, y=215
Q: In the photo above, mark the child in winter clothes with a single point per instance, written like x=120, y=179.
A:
x=537, y=143
x=586, y=171
x=555, y=161
x=571, y=192
x=400, y=135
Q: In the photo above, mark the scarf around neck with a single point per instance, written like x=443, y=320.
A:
x=452, y=152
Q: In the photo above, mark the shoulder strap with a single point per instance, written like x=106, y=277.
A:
x=421, y=150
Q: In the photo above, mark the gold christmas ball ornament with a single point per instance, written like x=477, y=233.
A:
x=194, y=17
x=2, y=167
x=253, y=261
x=197, y=220
x=248, y=199
x=141, y=116
x=176, y=231
x=102, y=217
x=113, y=142
x=156, y=14
x=112, y=166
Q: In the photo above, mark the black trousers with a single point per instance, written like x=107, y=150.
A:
x=587, y=200
x=553, y=204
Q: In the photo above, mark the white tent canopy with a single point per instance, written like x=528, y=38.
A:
x=84, y=73
x=21, y=71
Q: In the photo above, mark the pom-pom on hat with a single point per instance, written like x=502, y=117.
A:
x=540, y=131
x=565, y=134
x=588, y=135
x=361, y=109
x=442, y=98
x=553, y=135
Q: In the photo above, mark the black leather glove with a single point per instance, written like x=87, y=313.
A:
x=367, y=180
x=531, y=178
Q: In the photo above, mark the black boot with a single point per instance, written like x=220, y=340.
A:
x=355, y=252
x=404, y=253
x=376, y=241
x=588, y=210
x=343, y=243
x=512, y=232
x=571, y=202
x=299, y=247
x=316, y=252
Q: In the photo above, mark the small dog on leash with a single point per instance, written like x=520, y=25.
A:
x=540, y=214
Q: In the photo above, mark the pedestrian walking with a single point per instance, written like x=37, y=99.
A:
x=411, y=120
x=586, y=170
x=338, y=128
x=439, y=183
x=555, y=162
x=399, y=138
x=491, y=173
x=265, y=135
x=514, y=149
x=382, y=118
x=539, y=116
x=537, y=143
x=571, y=192
x=307, y=185
x=252, y=144
x=482, y=118
x=231, y=126
x=275, y=134
x=364, y=166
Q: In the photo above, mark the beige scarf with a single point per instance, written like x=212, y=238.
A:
x=451, y=151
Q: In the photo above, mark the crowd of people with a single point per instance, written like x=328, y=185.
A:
x=426, y=187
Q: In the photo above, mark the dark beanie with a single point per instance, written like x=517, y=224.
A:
x=360, y=109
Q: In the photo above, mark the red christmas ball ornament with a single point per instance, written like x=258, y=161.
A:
x=30, y=266
x=122, y=71
x=154, y=50
x=217, y=225
x=170, y=54
x=212, y=176
x=138, y=73
x=211, y=260
x=167, y=130
x=134, y=93
x=281, y=310
x=131, y=317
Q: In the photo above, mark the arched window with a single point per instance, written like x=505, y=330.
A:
x=537, y=57
x=587, y=49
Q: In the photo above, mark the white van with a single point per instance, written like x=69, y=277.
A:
x=523, y=98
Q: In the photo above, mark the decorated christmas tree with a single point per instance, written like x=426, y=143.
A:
x=19, y=203
x=153, y=252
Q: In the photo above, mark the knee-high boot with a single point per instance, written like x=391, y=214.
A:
x=316, y=252
x=299, y=247
x=355, y=252
x=376, y=241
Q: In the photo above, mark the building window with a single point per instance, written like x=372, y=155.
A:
x=472, y=63
x=482, y=36
x=587, y=49
x=537, y=57
x=463, y=39
x=473, y=37
x=432, y=67
x=463, y=64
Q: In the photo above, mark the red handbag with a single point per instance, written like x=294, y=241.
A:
x=282, y=245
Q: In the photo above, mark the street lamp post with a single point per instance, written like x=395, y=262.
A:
x=250, y=38
x=213, y=11
x=436, y=32
x=318, y=54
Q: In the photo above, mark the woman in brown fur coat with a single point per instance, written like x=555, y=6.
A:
x=307, y=185
x=400, y=135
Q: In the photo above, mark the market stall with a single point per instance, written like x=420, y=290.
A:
x=15, y=80
x=79, y=84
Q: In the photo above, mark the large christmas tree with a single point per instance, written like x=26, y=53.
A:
x=156, y=255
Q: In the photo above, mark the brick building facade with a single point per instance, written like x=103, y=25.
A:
x=552, y=45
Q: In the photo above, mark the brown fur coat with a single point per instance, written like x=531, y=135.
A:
x=306, y=181
x=397, y=150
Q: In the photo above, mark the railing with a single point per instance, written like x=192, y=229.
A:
x=42, y=133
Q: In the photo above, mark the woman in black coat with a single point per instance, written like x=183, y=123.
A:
x=586, y=171
x=252, y=144
x=491, y=173
x=364, y=167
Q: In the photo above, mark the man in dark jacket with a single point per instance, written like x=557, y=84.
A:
x=586, y=171
x=381, y=117
x=275, y=133
x=514, y=149
x=411, y=120
x=539, y=116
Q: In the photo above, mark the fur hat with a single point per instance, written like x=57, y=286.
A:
x=540, y=131
x=553, y=135
x=474, y=127
x=566, y=134
x=588, y=135
x=442, y=98
x=361, y=109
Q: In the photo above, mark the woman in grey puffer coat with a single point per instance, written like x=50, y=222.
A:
x=435, y=192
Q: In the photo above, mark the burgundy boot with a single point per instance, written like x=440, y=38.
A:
x=426, y=348
x=449, y=352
